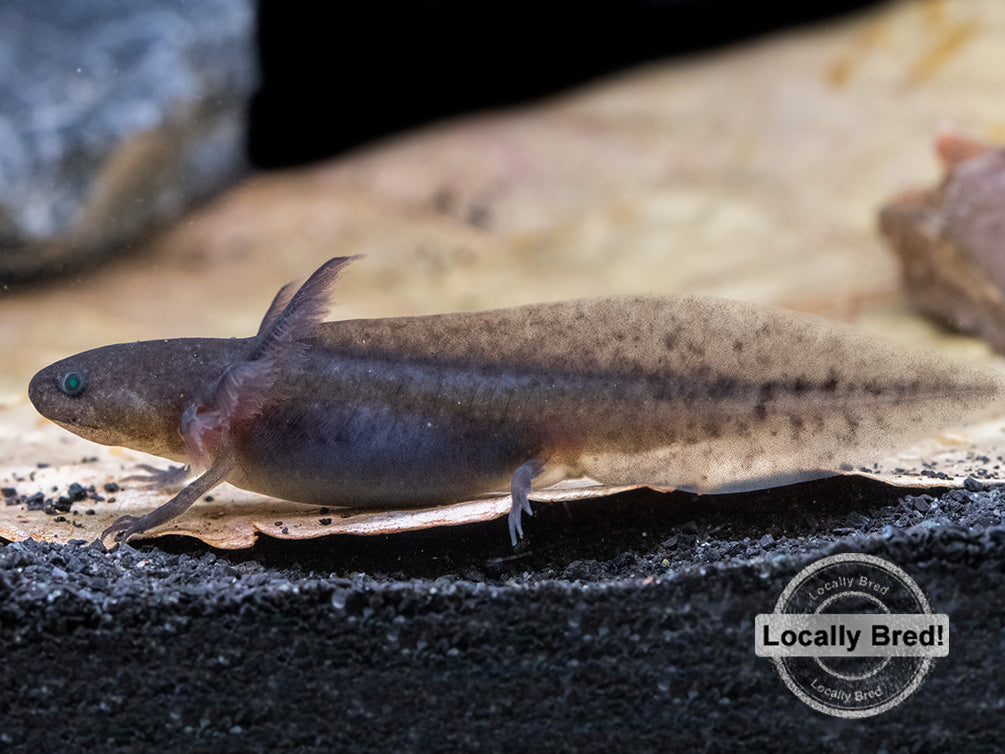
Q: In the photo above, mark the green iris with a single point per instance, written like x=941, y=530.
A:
x=72, y=384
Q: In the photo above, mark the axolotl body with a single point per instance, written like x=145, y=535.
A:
x=689, y=392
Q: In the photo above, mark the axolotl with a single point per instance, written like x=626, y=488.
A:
x=688, y=392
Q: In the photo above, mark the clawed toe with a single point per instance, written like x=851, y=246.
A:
x=122, y=529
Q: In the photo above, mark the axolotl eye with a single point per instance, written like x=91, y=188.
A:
x=72, y=383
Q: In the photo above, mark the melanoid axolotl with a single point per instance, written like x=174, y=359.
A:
x=690, y=392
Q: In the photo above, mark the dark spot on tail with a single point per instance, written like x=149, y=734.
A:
x=767, y=390
x=721, y=388
x=873, y=388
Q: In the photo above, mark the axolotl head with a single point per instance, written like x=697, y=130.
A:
x=132, y=394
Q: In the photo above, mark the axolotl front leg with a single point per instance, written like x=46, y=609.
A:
x=128, y=526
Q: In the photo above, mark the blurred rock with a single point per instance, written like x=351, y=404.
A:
x=951, y=239
x=114, y=116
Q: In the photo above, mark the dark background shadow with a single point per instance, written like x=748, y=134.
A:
x=336, y=75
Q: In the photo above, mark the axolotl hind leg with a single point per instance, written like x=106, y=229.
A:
x=520, y=487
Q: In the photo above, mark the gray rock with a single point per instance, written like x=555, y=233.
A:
x=114, y=116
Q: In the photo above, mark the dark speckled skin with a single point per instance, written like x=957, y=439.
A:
x=688, y=392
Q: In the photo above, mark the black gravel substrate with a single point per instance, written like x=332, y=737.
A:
x=624, y=624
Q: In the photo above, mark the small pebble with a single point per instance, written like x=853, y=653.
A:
x=972, y=485
x=921, y=503
x=63, y=504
